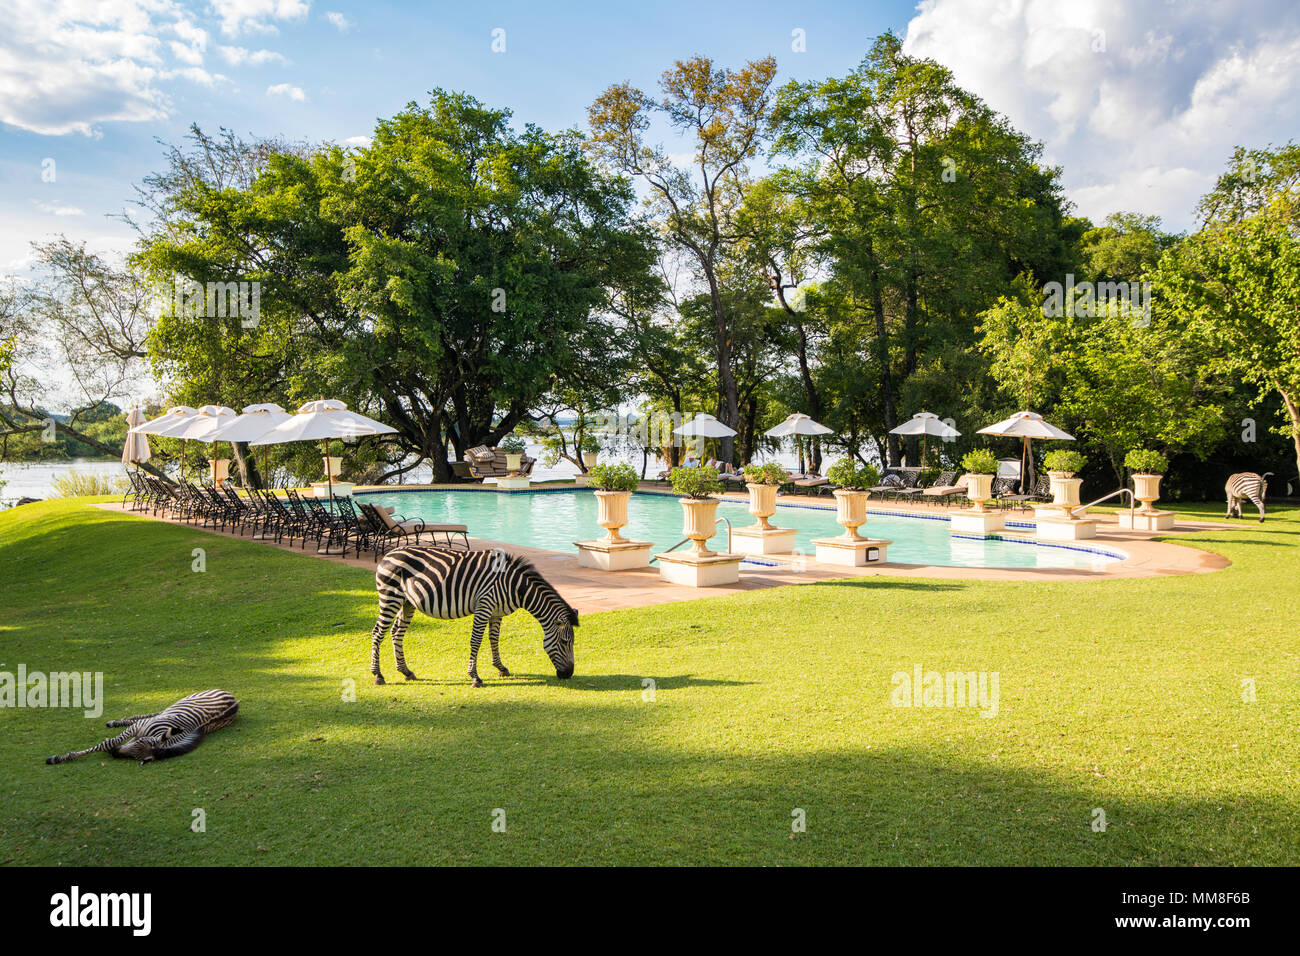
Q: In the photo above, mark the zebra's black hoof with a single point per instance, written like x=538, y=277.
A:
x=51, y=760
x=379, y=678
x=503, y=672
x=408, y=675
x=478, y=682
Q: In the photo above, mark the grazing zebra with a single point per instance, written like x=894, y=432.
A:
x=487, y=584
x=1245, y=485
x=175, y=731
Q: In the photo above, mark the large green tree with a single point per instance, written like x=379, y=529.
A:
x=725, y=115
x=440, y=277
x=930, y=204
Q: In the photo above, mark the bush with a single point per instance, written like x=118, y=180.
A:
x=619, y=477
x=512, y=445
x=76, y=484
x=981, y=461
x=1070, y=462
x=699, y=482
x=336, y=449
x=847, y=474
x=1146, y=462
x=769, y=474
x=926, y=476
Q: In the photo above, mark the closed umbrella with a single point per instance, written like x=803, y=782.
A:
x=925, y=424
x=704, y=426
x=254, y=422
x=798, y=425
x=1026, y=426
x=136, y=448
x=320, y=421
x=167, y=424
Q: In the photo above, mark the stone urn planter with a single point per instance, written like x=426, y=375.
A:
x=762, y=503
x=1065, y=490
x=333, y=465
x=589, y=459
x=979, y=489
x=611, y=514
x=700, y=521
x=851, y=511
x=1146, y=489
x=220, y=470
x=514, y=461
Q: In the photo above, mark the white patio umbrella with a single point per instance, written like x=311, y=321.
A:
x=167, y=424
x=798, y=425
x=136, y=448
x=1026, y=426
x=925, y=424
x=320, y=421
x=704, y=426
x=254, y=422
x=203, y=426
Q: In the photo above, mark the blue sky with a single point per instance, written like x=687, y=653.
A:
x=1139, y=100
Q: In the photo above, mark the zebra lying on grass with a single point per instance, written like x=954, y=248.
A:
x=1243, y=485
x=175, y=731
x=487, y=584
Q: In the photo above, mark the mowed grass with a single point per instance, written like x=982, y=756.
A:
x=1121, y=695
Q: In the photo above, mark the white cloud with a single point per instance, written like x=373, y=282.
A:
x=66, y=67
x=58, y=209
x=1139, y=101
x=342, y=23
x=256, y=16
x=362, y=141
x=294, y=93
x=238, y=56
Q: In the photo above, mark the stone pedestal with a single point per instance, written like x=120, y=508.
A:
x=700, y=570
x=613, y=556
x=851, y=552
x=978, y=522
x=1050, y=526
x=580, y=481
x=514, y=484
x=758, y=540
x=342, y=489
x=1146, y=520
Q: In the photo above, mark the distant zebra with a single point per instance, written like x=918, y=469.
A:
x=1245, y=485
x=452, y=584
x=172, y=732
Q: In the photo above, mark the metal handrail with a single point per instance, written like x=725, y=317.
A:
x=1132, y=502
x=684, y=540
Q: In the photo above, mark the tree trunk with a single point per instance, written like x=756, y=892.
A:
x=1289, y=401
x=886, y=375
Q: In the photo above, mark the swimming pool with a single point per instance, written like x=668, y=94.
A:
x=555, y=519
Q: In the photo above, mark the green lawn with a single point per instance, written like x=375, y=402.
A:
x=1121, y=695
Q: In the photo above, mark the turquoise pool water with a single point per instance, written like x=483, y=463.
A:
x=555, y=519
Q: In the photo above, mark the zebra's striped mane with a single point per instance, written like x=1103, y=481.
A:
x=529, y=570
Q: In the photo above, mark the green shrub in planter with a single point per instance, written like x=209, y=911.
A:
x=619, y=477
x=1143, y=462
x=1070, y=462
x=699, y=482
x=512, y=445
x=336, y=449
x=981, y=461
x=769, y=474
x=851, y=476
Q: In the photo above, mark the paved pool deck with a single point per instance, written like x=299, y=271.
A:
x=1148, y=555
